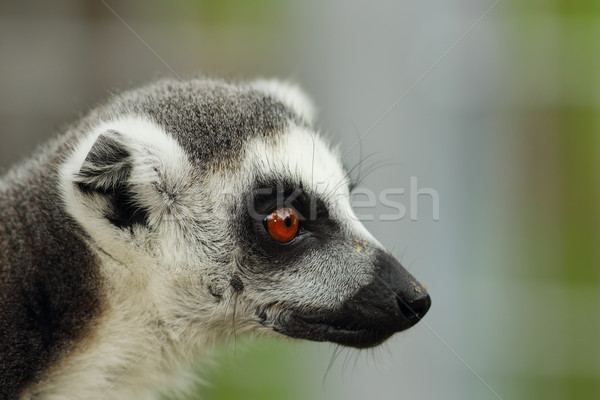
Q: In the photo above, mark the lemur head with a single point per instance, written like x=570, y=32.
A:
x=220, y=202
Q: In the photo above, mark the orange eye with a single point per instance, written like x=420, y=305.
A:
x=282, y=224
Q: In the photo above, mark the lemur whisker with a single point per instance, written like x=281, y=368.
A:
x=374, y=167
x=226, y=312
x=233, y=327
x=403, y=254
x=411, y=264
x=360, y=155
x=345, y=363
x=357, y=165
x=372, y=352
x=312, y=172
x=351, y=170
x=356, y=359
x=336, y=352
x=331, y=192
x=355, y=183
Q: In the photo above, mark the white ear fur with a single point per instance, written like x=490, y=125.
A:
x=129, y=159
x=289, y=94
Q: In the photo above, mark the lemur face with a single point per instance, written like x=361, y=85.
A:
x=221, y=207
x=313, y=271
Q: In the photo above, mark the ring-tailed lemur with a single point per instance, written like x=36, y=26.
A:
x=130, y=243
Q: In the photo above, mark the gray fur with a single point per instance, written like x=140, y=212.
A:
x=144, y=240
x=211, y=119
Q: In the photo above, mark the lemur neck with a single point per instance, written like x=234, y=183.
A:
x=48, y=277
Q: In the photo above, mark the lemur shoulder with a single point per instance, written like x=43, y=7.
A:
x=128, y=242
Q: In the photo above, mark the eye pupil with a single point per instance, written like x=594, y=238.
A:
x=282, y=224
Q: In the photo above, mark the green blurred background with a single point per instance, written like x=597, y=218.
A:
x=506, y=128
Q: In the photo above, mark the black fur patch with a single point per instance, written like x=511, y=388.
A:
x=49, y=282
x=106, y=171
x=124, y=212
x=316, y=227
x=106, y=163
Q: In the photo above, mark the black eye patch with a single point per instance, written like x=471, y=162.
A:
x=266, y=196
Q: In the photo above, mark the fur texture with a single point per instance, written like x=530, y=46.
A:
x=137, y=240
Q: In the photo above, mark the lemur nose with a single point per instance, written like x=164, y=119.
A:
x=414, y=309
x=400, y=290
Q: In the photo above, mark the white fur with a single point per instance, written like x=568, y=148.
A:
x=306, y=157
x=127, y=348
x=152, y=150
x=291, y=95
x=157, y=320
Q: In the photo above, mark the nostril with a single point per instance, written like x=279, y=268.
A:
x=414, y=309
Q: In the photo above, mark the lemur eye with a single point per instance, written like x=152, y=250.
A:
x=282, y=224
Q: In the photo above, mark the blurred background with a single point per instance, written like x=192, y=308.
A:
x=497, y=108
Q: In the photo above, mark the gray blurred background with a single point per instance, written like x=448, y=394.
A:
x=504, y=124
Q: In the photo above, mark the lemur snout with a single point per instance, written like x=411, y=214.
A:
x=392, y=302
x=411, y=297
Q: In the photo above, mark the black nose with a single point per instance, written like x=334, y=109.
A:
x=414, y=309
x=400, y=290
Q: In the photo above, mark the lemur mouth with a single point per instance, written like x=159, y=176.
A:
x=344, y=331
x=347, y=329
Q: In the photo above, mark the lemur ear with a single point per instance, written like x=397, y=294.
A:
x=106, y=172
x=107, y=164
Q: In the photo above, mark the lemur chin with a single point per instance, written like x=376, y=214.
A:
x=129, y=242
